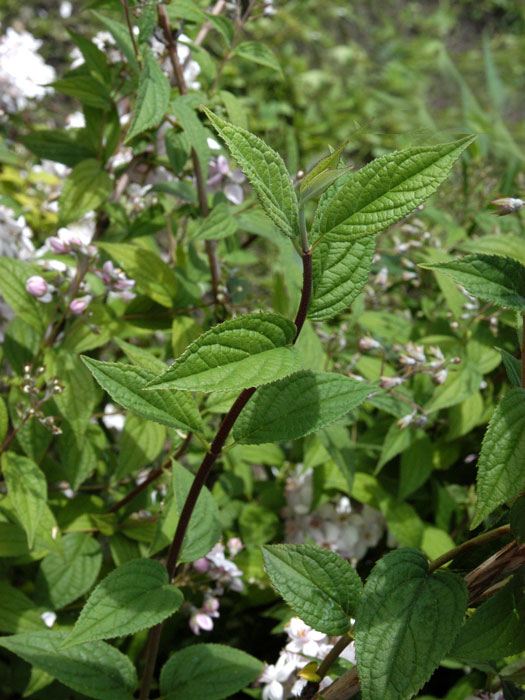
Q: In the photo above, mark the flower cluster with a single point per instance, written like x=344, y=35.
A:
x=16, y=238
x=223, y=178
x=304, y=644
x=36, y=395
x=340, y=526
x=223, y=574
x=23, y=71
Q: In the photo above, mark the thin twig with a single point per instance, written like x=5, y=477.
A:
x=125, y=7
x=469, y=544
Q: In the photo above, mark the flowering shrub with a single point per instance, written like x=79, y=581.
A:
x=262, y=423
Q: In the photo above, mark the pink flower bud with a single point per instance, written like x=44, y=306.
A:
x=78, y=306
x=201, y=565
x=37, y=286
x=507, y=205
x=58, y=245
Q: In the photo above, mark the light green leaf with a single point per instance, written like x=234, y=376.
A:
x=265, y=170
x=242, y=352
x=500, y=466
x=120, y=33
x=87, y=89
x=218, y=224
x=492, y=278
x=367, y=202
x=211, y=671
x=506, y=245
x=497, y=628
x=340, y=271
x=133, y=597
x=153, y=97
x=320, y=587
x=183, y=107
x=125, y=384
x=85, y=188
x=204, y=529
x=65, y=576
x=325, y=164
x=259, y=53
x=406, y=623
x=27, y=488
x=152, y=276
x=461, y=383
x=298, y=405
x=141, y=443
x=97, y=669
x=13, y=277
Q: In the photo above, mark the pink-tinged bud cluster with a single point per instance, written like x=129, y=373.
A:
x=40, y=289
x=201, y=619
x=79, y=305
x=116, y=281
x=75, y=239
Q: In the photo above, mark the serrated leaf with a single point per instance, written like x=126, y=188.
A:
x=492, y=278
x=497, y=628
x=125, y=384
x=133, y=597
x=266, y=172
x=141, y=443
x=87, y=89
x=340, y=271
x=66, y=575
x=27, y=489
x=17, y=612
x=366, y=203
x=500, y=465
x=298, y=405
x=321, y=588
x=120, y=33
x=407, y=621
x=65, y=147
x=326, y=163
x=512, y=367
x=242, y=352
x=13, y=277
x=183, y=107
x=211, y=671
x=153, y=97
x=152, y=276
x=204, y=530
x=97, y=669
x=256, y=52
x=85, y=189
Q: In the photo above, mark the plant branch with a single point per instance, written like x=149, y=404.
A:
x=178, y=73
x=523, y=351
x=202, y=474
x=125, y=7
x=335, y=652
x=469, y=544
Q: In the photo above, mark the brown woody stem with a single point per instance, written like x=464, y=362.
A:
x=469, y=544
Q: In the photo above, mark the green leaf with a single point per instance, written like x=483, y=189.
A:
x=218, y=224
x=17, y=612
x=265, y=170
x=27, y=488
x=512, y=367
x=13, y=277
x=500, y=466
x=211, y=671
x=97, y=669
x=65, y=147
x=66, y=575
x=517, y=519
x=492, y=278
x=367, y=202
x=86, y=89
x=298, y=405
x=204, y=529
x=406, y=623
x=183, y=107
x=133, y=597
x=152, y=276
x=125, y=384
x=153, y=97
x=386, y=190
x=321, y=588
x=497, y=628
x=340, y=271
x=85, y=188
x=120, y=33
x=246, y=351
x=259, y=53
x=141, y=443
x=461, y=383
x=4, y=420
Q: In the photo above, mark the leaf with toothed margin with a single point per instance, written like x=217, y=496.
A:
x=501, y=476
x=320, y=586
x=407, y=621
x=125, y=384
x=298, y=405
x=242, y=352
x=366, y=203
x=266, y=171
x=96, y=669
x=133, y=597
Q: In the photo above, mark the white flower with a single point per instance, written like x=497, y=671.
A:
x=368, y=343
x=65, y=9
x=303, y=639
x=75, y=120
x=23, y=71
x=49, y=618
x=407, y=420
x=390, y=382
x=112, y=417
x=15, y=235
x=275, y=675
